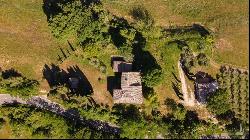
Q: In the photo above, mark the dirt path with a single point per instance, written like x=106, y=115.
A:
x=187, y=100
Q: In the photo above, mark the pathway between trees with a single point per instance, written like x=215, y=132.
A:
x=44, y=103
x=188, y=100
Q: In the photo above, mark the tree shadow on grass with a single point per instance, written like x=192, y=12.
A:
x=177, y=91
x=185, y=29
x=175, y=77
x=56, y=76
x=84, y=85
x=10, y=73
x=114, y=31
x=127, y=112
x=191, y=118
x=170, y=103
x=52, y=8
x=143, y=60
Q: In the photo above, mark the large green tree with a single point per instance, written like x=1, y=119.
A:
x=218, y=102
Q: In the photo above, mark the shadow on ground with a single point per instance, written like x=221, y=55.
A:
x=185, y=29
x=56, y=77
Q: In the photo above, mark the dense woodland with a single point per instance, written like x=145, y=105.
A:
x=96, y=34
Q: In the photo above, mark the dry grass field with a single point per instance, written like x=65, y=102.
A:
x=227, y=18
x=27, y=44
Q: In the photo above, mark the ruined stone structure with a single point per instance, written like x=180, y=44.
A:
x=122, y=66
x=130, y=90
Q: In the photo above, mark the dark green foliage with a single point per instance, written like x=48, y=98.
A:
x=141, y=15
x=152, y=77
x=34, y=123
x=235, y=83
x=63, y=96
x=134, y=124
x=152, y=74
x=183, y=124
x=191, y=40
x=218, y=102
x=188, y=59
x=28, y=122
x=178, y=110
x=185, y=35
x=140, y=129
x=150, y=103
x=17, y=85
x=97, y=113
x=126, y=51
x=129, y=34
x=75, y=19
x=144, y=23
x=85, y=105
x=202, y=59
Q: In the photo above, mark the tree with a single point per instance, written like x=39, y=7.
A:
x=152, y=77
x=17, y=85
x=177, y=110
x=141, y=15
x=151, y=103
x=202, y=59
x=218, y=102
x=187, y=58
x=80, y=21
x=126, y=51
x=140, y=129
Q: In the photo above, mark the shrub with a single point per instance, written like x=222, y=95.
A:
x=103, y=68
x=18, y=85
x=129, y=34
x=187, y=58
x=152, y=77
x=218, y=102
x=126, y=52
x=140, y=14
x=80, y=21
x=202, y=59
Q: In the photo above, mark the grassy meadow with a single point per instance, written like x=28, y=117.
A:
x=26, y=43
